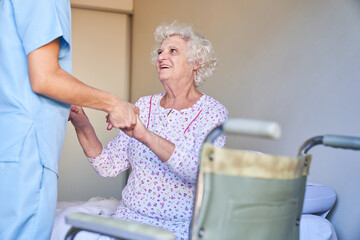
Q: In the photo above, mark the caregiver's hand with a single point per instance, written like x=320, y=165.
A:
x=133, y=118
x=122, y=116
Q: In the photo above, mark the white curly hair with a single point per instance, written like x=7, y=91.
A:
x=200, y=49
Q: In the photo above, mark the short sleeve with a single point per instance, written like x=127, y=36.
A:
x=40, y=22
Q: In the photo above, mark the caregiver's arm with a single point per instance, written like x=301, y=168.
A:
x=47, y=78
x=85, y=132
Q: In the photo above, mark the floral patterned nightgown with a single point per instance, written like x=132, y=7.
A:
x=162, y=193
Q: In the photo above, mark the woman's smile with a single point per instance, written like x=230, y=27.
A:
x=173, y=55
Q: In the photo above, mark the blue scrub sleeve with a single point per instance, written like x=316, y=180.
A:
x=42, y=21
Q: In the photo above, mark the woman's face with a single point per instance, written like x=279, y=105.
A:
x=172, y=62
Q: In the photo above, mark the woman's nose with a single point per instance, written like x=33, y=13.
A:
x=161, y=56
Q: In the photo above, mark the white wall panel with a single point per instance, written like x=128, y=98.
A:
x=126, y=6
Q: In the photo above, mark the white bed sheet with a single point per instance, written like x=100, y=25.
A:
x=312, y=227
x=96, y=206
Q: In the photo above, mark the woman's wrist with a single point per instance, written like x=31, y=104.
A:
x=89, y=142
x=146, y=137
x=84, y=128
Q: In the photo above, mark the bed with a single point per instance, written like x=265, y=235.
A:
x=319, y=200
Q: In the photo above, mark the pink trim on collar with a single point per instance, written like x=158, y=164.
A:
x=149, y=113
x=192, y=121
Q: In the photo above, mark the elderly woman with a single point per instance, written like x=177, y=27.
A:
x=163, y=148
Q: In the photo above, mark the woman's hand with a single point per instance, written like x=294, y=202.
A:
x=158, y=145
x=78, y=117
x=139, y=132
x=85, y=132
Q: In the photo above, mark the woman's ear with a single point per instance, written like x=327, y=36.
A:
x=196, y=66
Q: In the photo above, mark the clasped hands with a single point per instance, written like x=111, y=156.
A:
x=137, y=131
x=131, y=124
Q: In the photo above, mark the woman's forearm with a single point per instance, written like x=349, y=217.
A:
x=162, y=148
x=89, y=142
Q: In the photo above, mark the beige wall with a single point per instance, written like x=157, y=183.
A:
x=101, y=58
x=294, y=62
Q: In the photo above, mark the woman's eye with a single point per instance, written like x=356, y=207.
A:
x=173, y=50
x=159, y=52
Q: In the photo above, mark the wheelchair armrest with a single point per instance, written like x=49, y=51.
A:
x=115, y=227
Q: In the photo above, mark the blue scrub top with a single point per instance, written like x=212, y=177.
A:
x=26, y=25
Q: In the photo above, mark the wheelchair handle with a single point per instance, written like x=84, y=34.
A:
x=335, y=141
x=246, y=127
x=251, y=127
x=338, y=141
